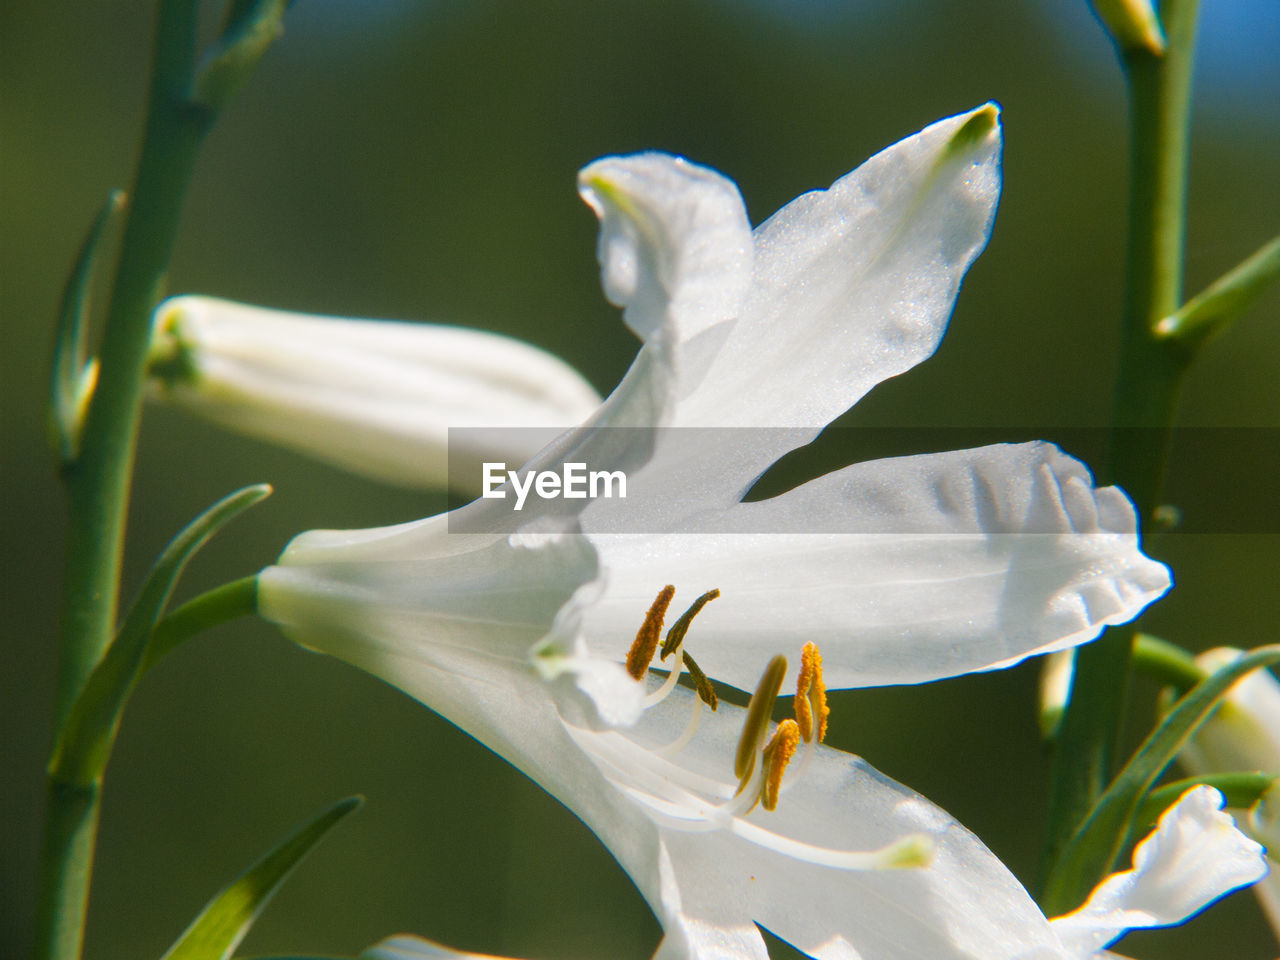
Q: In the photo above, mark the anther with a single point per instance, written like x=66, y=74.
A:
x=781, y=748
x=811, y=695
x=646, y=643
x=675, y=636
x=706, y=692
x=759, y=712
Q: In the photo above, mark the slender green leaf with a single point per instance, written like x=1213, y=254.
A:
x=1219, y=304
x=84, y=742
x=1242, y=790
x=1090, y=853
x=72, y=377
x=251, y=27
x=226, y=919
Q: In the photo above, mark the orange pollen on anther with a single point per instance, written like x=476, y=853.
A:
x=646, y=643
x=811, y=695
x=781, y=748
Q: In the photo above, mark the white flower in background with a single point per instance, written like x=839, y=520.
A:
x=1194, y=856
x=373, y=397
x=1243, y=735
x=902, y=570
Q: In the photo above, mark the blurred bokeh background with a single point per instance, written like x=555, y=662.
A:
x=416, y=160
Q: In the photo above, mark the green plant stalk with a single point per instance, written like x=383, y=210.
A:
x=98, y=481
x=1150, y=374
x=233, y=600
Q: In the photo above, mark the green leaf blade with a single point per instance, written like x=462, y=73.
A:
x=228, y=917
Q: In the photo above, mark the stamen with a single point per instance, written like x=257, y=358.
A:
x=646, y=643
x=777, y=755
x=706, y=692
x=759, y=712
x=675, y=636
x=811, y=695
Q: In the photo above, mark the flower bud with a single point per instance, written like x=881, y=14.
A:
x=373, y=397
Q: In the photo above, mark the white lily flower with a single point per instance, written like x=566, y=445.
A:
x=374, y=397
x=1243, y=734
x=903, y=570
x=1194, y=856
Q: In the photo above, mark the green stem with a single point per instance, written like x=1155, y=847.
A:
x=1167, y=663
x=220, y=605
x=66, y=862
x=1150, y=373
x=98, y=481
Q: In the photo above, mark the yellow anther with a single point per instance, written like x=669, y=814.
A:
x=781, y=748
x=811, y=695
x=675, y=636
x=759, y=712
x=706, y=692
x=646, y=643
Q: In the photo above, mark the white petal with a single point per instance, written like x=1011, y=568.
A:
x=851, y=286
x=373, y=397
x=713, y=885
x=1194, y=856
x=675, y=253
x=675, y=244
x=916, y=568
x=415, y=590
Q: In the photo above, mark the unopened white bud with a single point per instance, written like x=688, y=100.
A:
x=377, y=398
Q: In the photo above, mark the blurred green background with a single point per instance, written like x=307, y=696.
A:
x=416, y=160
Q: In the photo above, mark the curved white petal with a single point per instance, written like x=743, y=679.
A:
x=852, y=285
x=1194, y=856
x=370, y=396
x=916, y=568
x=417, y=589
x=675, y=245
x=675, y=253
x=714, y=884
